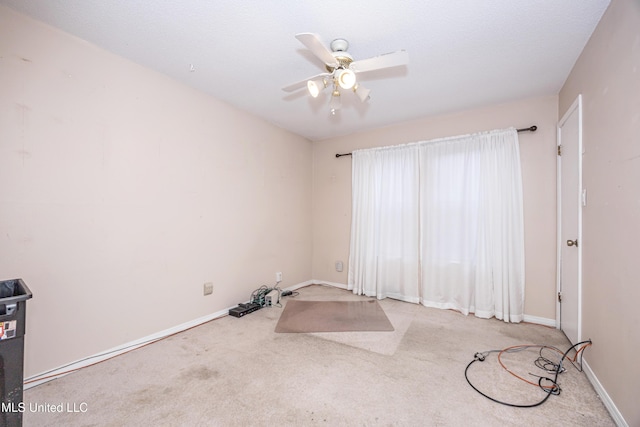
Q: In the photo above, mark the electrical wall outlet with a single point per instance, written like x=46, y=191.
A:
x=208, y=288
x=279, y=276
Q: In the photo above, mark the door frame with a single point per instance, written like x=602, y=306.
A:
x=577, y=104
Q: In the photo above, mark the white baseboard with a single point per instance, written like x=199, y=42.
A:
x=604, y=396
x=116, y=351
x=540, y=320
x=334, y=284
x=299, y=285
x=61, y=371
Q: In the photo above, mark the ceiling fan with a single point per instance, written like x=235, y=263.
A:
x=342, y=70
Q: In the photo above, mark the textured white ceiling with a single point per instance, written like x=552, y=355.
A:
x=462, y=53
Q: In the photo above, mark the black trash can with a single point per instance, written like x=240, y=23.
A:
x=13, y=307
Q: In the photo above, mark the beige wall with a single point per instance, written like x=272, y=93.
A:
x=122, y=192
x=607, y=74
x=332, y=188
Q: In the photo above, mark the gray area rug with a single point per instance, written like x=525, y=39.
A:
x=332, y=316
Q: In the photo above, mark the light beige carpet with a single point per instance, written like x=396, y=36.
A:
x=240, y=372
x=333, y=316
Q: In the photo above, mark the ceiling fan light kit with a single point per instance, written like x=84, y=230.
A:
x=316, y=86
x=342, y=69
x=336, y=103
x=345, y=78
x=362, y=92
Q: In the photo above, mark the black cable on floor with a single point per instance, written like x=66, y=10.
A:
x=555, y=388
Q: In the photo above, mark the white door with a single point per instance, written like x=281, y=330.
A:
x=570, y=202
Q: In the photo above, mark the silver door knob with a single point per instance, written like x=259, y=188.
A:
x=572, y=243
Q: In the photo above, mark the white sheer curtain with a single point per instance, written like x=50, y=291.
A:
x=385, y=243
x=440, y=222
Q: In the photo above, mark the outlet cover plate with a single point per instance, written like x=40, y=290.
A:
x=208, y=288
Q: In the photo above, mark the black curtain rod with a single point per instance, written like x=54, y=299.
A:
x=529, y=129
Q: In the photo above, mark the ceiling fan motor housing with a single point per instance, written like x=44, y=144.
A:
x=339, y=45
x=343, y=58
x=339, y=51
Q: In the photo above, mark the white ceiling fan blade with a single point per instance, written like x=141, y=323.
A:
x=387, y=60
x=312, y=41
x=303, y=83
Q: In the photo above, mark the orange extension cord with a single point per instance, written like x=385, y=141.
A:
x=550, y=387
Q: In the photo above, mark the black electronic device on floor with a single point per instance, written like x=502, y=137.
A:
x=244, y=309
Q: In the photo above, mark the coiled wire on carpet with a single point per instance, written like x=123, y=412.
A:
x=551, y=386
